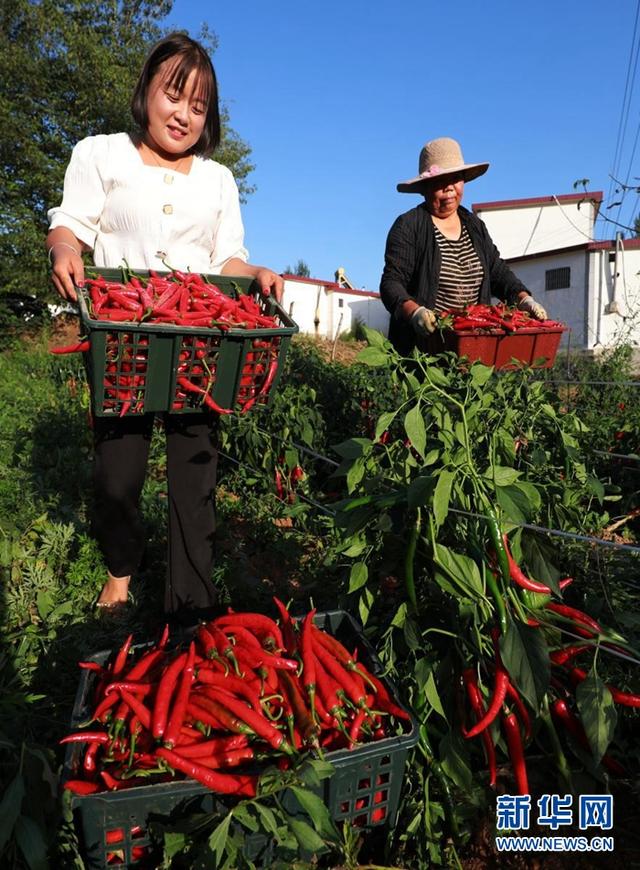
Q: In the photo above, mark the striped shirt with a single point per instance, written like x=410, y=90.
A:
x=461, y=272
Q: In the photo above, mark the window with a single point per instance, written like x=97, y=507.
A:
x=556, y=279
x=340, y=303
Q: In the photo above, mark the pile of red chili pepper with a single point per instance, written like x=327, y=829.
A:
x=505, y=704
x=185, y=300
x=177, y=298
x=500, y=317
x=246, y=689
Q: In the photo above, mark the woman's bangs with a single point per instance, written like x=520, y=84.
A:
x=178, y=77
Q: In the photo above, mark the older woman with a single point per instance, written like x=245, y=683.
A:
x=439, y=255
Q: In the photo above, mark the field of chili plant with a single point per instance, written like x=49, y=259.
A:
x=397, y=490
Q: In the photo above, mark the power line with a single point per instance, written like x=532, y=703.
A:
x=626, y=99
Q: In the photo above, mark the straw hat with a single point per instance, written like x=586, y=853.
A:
x=441, y=157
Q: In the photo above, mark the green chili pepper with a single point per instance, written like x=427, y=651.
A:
x=495, y=533
x=409, y=560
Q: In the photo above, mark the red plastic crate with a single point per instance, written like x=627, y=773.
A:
x=536, y=347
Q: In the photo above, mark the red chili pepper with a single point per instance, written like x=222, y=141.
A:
x=523, y=713
x=81, y=786
x=302, y=717
x=625, y=699
x=121, y=658
x=100, y=737
x=258, y=623
x=175, y=720
x=163, y=695
x=519, y=577
x=143, y=713
x=516, y=753
x=79, y=347
x=218, y=782
x=232, y=684
x=499, y=694
x=567, y=653
x=258, y=724
x=475, y=699
x=576, y=616
x=288, y=631
x=214, y=747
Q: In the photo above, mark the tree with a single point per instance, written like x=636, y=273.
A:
x=68, y=69
x=300, y=269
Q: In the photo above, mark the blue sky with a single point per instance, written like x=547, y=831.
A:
x=337, y=98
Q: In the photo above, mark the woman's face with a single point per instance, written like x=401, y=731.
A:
x=444, y=195
x=176, y=120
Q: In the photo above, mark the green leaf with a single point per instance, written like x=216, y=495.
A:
x=480, y=374
x=526, y=656
x=365, y=604
x=10, y=809
x=317, y=811
x=218, y=839
x=400, y=616
x=352, y=448
x=454, y=761
x=420, y=491
x=306, y=836
x=243, y=815
x=519, y=502
x=459, y=568
x=355, y=474
x=538, y=556
x=415, y=429
x=373, y=356
x=384, y=421
x=442, y=495
x=174, y=843
x=44, y=603
x=32, y=842
x=431, y=691
x=502, y=475
x=373, y=337
x=314, y=771
x=267, y=817
x=412, y=636
x=598, y=713
x=358, y=577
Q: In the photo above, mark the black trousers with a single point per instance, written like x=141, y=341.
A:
x=120, y=464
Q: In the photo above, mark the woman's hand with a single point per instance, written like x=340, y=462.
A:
x=423, y=321
x=67, y=269
x=270, y=283
x=529, y=304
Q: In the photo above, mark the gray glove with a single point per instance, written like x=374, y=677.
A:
x=423, y=321
x=529, y=304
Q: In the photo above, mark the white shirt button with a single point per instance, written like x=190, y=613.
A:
x=168, y=179
x=167, y=209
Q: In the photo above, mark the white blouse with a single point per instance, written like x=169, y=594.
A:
x=126, y=210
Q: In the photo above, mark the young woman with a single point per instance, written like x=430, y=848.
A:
x=150, y=199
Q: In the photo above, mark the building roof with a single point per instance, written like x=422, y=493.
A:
x=594, y=196
x=607, y=245
x=330, y=286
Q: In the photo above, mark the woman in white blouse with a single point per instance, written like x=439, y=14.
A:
x=149, y=200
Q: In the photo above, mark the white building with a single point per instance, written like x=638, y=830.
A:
x=591, y=286
x=326, y=309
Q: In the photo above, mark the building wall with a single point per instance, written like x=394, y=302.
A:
x=586, y=305
x=335, y=309
x=530, y=229
x=566, y=305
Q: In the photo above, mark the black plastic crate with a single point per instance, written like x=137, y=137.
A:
x=133, y=368
x=364, y=788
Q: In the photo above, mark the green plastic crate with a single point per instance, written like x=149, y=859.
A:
x=364, y=789
x=235, y=361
